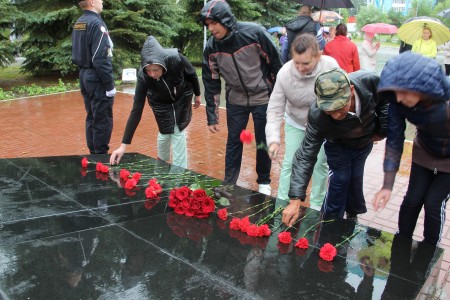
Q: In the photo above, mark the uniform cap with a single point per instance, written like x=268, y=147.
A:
x=332, y=89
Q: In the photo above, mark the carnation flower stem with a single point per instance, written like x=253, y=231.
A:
x=267, y=218
x=323, y=221
x=251, y=207
x=350, y=237
x=262, y=209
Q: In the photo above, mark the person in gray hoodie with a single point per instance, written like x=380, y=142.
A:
x=169, y=81
x=244, y=55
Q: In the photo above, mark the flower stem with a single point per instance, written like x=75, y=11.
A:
x=340, y=244
x=267, y=218
x=307, y=230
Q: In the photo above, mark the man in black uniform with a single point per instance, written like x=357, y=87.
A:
x=92, y=52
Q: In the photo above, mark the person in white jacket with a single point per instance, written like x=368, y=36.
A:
x=368, y=53
x=291, y=98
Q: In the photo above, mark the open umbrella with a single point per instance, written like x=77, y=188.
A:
x=275, y=29
x=328, y=3
x=412, y=29
x=444, y=13
x=380, y=28
x=326, y=16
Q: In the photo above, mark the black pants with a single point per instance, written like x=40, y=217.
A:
x=237, y=119
x=99, y=118
x=447, y=69
x=431, y=191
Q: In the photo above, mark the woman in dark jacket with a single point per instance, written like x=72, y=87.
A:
x=419, y=92
x=168, y=80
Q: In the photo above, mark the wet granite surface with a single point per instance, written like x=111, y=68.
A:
x=73, y=233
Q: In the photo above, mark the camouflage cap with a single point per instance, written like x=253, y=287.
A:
x=332, y=88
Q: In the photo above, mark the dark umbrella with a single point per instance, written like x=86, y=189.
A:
x=444, y=13
x=328, y=3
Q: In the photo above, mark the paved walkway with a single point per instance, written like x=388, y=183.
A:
x=54, y=125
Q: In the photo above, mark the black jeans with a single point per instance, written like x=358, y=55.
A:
x=237, y=119
x=431, y=191
x=99, y=114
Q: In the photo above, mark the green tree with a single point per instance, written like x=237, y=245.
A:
x=370, y=14
x=421, y=8
x=7, y=47
x=396, y=18
x=47, y=28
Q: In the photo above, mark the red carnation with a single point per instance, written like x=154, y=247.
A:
x=124, y=174
x=130, y=184
x=84, y=162
x=98, y=167
x=253, y=230
x=302, y=243
x=137, y=176
x=264, y=230
x=235, y=224
x=222, y=213
x=150, y=192
x=285, y=237
x=104, y=169
x=246, y=137
x=245, y=223
x=327, y=252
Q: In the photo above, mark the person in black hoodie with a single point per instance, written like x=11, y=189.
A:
x=169, y=81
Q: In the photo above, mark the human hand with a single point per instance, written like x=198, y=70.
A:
x=290, y=213
x=117, y=155
x=377, y=45
x=197, y=101
x=273, y=150
x=214, y=128
x=381, y=199
x=111, y=93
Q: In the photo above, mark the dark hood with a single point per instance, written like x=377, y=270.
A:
x=414, y=72
x=298, y=23
x=219, y=11
x=153, y=53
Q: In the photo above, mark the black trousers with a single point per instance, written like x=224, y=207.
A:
x=237, y=119
x=430, y=191
x=99, y=114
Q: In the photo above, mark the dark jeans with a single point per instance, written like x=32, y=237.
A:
x=99, y=118
x=430, y=191
x=237, y=119
x=345, y=187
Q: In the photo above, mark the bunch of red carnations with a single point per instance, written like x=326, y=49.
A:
x=249, y=228
x=197, y=203
x=129, y=181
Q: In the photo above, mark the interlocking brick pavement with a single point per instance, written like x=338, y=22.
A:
x=54, y=125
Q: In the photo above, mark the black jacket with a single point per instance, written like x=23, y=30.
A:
x=91, y=46
x=352, y=132
x=170, y=97
x=247, y=59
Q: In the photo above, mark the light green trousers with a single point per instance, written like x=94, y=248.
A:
x=179, y=147
x=293, y=138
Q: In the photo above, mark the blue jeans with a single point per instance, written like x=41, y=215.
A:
x=345, y=185
x=430, y=191
x=237, y=119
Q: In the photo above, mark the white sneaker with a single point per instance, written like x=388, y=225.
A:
x=265, y=189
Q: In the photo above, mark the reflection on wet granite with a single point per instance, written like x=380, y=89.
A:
x=71, y=233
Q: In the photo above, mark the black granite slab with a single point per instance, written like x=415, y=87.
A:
x=72, y=233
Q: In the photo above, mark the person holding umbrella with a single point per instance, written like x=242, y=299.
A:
x=425, y=45
x=368, y=53
x=419, y=92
